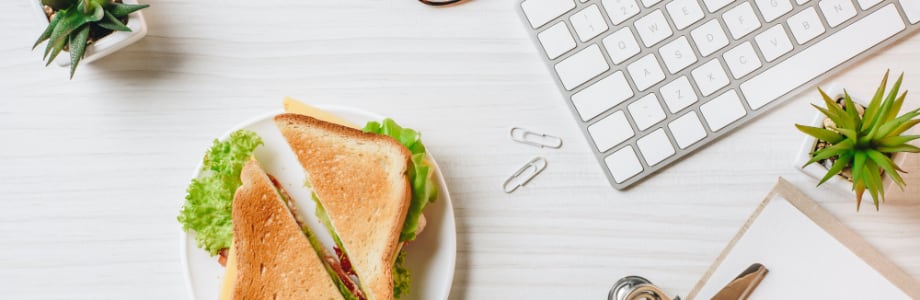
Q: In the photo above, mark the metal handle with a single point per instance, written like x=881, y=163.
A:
x=636, y=288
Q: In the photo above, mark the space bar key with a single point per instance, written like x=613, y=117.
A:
x=822, y=57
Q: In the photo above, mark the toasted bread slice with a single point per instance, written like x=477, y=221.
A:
x=361, y=180
x=274, y=259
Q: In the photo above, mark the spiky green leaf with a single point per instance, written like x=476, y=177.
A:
x=874, y=103
x=838, y=149
x=859, y=163
x=873, y=178
x=852, y=113
x=883, y=161
x=47, y=33
x=70, y=22
x=837, y=119
x=92, y=10
x=849, y=133
x=901, y=148
x=877, y=117
x=888, y=128
x=77, y=44
x=894, y=141
x=112, y=23
x=821, y=133
x=859, y=188
x=121, y=10
x=842, y=162
x=904, y=127
x=896, y=107
x=833, y=111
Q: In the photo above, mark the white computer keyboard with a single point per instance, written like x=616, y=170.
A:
x=650, y=81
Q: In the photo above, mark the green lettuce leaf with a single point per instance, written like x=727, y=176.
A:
x=401, y=276
x=209, y=198
x=424, y=190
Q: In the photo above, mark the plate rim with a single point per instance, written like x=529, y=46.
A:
x=442, y=185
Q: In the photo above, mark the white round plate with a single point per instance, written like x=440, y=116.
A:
x=430, y=257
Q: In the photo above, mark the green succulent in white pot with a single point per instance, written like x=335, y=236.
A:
x=88, y=29
x=863, y=145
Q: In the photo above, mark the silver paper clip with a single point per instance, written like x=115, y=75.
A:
x=522, y=176
x=541, y=140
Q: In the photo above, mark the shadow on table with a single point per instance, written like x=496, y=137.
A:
x=151, y=59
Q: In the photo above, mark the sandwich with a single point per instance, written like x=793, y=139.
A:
x=274, y=255
x=370, y=189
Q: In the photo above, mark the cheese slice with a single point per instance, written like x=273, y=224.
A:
x=226, y=291
x=296, y=107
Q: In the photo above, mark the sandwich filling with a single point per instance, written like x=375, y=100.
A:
x=341, y=258
x=345, y=283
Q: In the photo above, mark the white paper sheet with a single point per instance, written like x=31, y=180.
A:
x=805, y=262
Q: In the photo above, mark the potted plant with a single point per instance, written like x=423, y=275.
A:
x=863, y=146
x=88, y=29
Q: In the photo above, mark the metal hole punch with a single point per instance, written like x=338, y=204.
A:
x=541, y=140
x=524, y=174
x=639, y=288
x=636, y=288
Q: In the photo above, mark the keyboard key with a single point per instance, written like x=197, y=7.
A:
x=912, y=10
x=710, y=77
x=677, y=54
x=822, y=56
x=722, y=110
x=806, y=25
x=772, y=9
x=646, y=111
x=581, y=67
x=687, y=130
x=773, y=43
x=678, y=94
x=556, y=40
x=653, y=28
x=623, y=164
x=540, y=12
x=866, y=4
x=621, y=45
x=620, y=10
x=588, y=23
x=742, y=60
x=646, y=72
x=714, y=5
x=611, y=131
x=684, y=13
x=649, y=3
x=741, y=20
x=655, y=147
x=709, y=37
x=601, y=96
x=837, y=11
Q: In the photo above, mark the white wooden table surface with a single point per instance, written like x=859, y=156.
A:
x=93, y=170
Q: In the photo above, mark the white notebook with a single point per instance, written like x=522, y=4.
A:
x=809, y=254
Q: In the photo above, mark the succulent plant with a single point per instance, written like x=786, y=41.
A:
x=865, y=143
x=74, y=20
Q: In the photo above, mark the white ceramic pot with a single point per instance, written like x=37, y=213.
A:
x=104, y=46
x=910, y=162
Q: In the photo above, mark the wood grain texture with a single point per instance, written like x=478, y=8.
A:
x=95, y=169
